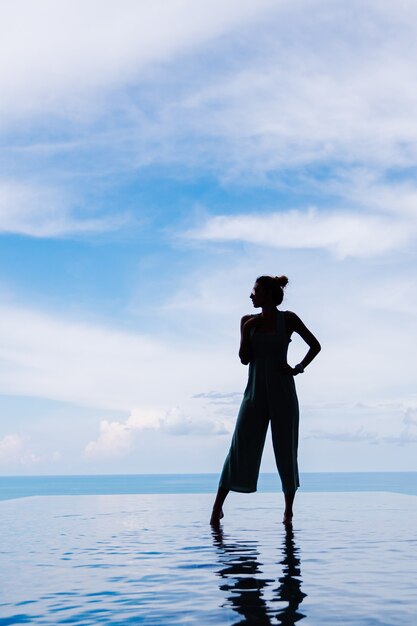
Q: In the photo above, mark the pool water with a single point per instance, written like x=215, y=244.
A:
x=153, y=559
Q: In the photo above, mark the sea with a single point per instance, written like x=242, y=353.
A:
x=138, y=549
x=102, y=484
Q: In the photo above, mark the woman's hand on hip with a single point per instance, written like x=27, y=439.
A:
x=287, y=369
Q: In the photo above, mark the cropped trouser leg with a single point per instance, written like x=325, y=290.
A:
x=241, y=467
x=284, y=430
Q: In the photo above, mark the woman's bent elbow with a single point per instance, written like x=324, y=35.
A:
x=244, y=359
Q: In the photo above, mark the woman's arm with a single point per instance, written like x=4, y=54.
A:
x=246, y=323
x=294, y=324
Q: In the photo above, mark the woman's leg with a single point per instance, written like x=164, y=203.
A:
x=288, y=513
x=284, y=428
x=241, y=467
x=217, y=512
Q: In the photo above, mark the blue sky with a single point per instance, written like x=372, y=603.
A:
x=156, y=158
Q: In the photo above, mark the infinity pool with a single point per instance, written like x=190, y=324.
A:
x=153, y=559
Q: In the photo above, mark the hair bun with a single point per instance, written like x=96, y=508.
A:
x=282, y=280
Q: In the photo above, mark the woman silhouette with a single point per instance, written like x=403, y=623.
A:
x=270, y=395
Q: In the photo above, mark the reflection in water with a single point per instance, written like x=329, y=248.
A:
x=241, y=576
x=289, y=589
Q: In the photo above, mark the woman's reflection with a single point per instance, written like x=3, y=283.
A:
x=241, y=576
x=289, y=588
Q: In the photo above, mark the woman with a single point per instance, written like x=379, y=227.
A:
x=270, y=395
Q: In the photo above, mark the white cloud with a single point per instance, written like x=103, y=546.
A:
x=342, y=233
x=306, y=96
x=116, y=438
x=55, y=56
x=92, y=365
x=375, y=423
x=38, y=211
x=177, y=422
x=312, y=99
x=15, y=452
x=348, y=436
x=328, y=89
x=10, y=448
x=380, y=218
x=232, y=398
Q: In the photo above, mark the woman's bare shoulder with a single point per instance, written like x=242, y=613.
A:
x=292, y=320
x=247, y=317
x=291, y=315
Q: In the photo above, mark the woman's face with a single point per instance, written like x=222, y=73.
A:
x=258, y=296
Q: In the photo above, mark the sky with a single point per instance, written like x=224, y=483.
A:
x=155, y=158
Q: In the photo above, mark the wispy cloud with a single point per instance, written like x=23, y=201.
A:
x=95, y=365
x=300, y=100
x=318, y=97
x=342, y=233
x=329, y=105
x=358, y=435
x=371, y=216
x=80, y=51
x=39, y=211
x=222, y=398
x=375, y=423
x=310, y=99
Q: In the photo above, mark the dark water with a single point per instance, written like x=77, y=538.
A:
x=153, y=559
x=20, y=486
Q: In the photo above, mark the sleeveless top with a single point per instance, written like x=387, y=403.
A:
x=267, y=382
x=272, y=345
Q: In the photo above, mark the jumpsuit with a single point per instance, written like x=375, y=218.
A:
x=270, y=395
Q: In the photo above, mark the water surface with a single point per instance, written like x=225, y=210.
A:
x=153, y=559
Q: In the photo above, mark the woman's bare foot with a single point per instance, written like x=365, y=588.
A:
x=289, y=500
x=216, y=516
x=217, y=512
